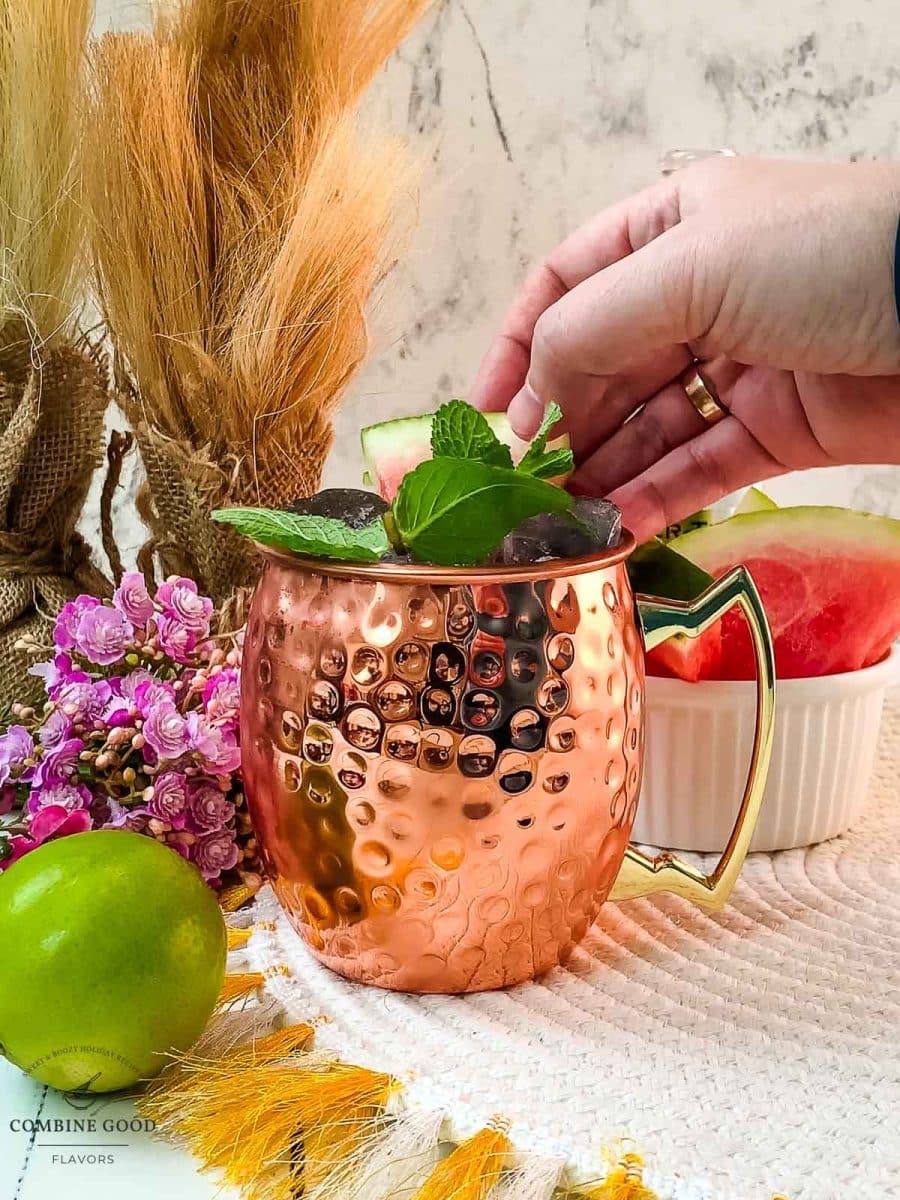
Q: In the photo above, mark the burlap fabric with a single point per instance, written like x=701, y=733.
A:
x=52, y=405
x=185, y=482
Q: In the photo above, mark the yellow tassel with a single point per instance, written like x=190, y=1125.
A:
x=244, y=984
x=239, y=937
x=189, y=1077
x=240, y=987
x=277, y=1129
x=235, y=897
x=473, y=1170
x=625, y=1181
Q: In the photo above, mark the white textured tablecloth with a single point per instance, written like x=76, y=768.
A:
x=753, y=1052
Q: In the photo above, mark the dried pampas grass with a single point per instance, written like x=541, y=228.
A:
x=52, y=386
x=240, y=224
x=41, y=219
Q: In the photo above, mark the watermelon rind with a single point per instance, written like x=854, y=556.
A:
x=842, y=530
x=407, y=441
x=697, y=520
x=393, y=437
x=753, y=500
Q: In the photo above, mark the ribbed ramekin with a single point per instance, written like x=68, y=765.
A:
x=699, y=737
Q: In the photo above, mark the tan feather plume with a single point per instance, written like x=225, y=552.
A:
x=41, y=222
x=240, y=221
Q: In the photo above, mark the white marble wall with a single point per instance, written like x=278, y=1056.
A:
x=528, y=115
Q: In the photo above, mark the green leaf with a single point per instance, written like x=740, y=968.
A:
x=453, y=512
x=534, y=456
x=320, y=537
x=553, y=464
x=460, y=431
x=655, y=569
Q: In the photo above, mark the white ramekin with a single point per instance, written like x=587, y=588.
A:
x=699, y=737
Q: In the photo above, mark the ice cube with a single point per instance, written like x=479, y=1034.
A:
x=356, y=507
x=536, y=539
x=600, y=518
x=592, y=525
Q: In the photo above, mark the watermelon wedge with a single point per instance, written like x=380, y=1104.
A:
x=655, y=569
x=830, y=582
x=393, y=448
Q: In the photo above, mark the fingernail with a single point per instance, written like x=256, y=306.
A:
x=525, y=413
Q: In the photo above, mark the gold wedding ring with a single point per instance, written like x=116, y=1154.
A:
x=700, y=395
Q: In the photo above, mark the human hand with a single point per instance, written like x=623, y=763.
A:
x=777, y=276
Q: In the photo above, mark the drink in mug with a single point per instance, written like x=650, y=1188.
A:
x=443, y=764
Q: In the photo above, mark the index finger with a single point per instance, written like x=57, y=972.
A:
x=608, y=237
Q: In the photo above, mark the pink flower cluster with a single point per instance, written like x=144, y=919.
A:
x=140, y=731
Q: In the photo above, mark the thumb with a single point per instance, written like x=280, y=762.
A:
x=625, y=316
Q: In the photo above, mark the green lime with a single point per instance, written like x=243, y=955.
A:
x=112, y=952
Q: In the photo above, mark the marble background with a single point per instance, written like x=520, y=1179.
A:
x=528, y=115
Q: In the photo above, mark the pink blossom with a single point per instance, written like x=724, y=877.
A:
x=208, y=808
x=129, y=684
x=103, y=635
x=59, y=822
x=55, y=730
x=132, y=719
x=16, y=745
x=70, y=796
x=19, y=844
x=132, y=598
x=222, y=695
x=65, y=631
x=59, y=764
x=216, y=744
x=175, y=638
x=215, y=852
x=166, y=731
x=57, y=674
x=52, y=822
x=150, y=693
x=169, y=799
x=121, y=817
x=82, y=701
x=119, y=709
x=179, y=599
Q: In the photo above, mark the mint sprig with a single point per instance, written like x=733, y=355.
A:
x=321, y=537
x=453, y=512
x=460, y=431
x=540, y=462
x=552, y=465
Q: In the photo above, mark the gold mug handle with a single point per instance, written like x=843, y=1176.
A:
x=641, y=875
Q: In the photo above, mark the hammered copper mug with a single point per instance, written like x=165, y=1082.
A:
x=443, y=765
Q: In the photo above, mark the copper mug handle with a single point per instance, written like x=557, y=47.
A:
x=641, y=875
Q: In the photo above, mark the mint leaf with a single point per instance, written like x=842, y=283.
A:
x=453, y=512
x=322, y=537
x=552, y=464
x=655, y=569
x=460, y=431
x=534, y=456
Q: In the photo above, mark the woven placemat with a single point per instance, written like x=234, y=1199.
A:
x=748, y=1053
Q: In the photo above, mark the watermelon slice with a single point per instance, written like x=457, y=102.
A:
x=393, y=448
x=655, y=569
x=830, y=582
